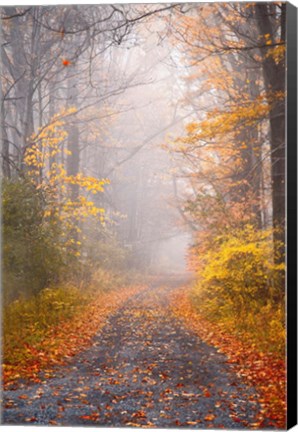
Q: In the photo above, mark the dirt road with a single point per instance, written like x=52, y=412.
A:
x=144, y=368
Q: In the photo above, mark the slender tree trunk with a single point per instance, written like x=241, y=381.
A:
x=274, y=78
x=73, y=145
x=5, y=151
x=5, y=142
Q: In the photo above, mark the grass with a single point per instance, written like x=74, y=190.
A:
x=54, y=325
x=261, y=325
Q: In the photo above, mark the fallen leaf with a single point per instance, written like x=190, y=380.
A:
x=30, y=419
x=209, y=417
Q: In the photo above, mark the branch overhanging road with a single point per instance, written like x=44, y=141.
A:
x=145, y=368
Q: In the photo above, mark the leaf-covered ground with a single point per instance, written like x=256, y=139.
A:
x=60, y=342
x=265, y=371
x=145, y=368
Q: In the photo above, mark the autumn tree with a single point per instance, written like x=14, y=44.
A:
x=231, y=55
x=226, y=162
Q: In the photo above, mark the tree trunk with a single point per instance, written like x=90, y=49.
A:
x=274, y=78
x=73, y=159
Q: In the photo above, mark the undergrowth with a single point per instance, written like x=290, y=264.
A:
x=239, y=286
x=262, y=327
x=27, y=322
x=53, y=326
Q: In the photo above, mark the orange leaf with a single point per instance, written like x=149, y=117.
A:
x=210, y=417
x=53, y=422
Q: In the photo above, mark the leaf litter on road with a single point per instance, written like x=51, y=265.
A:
x=175, y=381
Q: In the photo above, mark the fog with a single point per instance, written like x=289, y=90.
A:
x=126, y=120
x=124, y=86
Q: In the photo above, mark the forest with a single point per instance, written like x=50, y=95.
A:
x=143, y=181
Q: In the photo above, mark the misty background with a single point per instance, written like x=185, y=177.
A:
x=133, y=132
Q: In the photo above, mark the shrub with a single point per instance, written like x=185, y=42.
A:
x=238, y=285
x=26, y=321
x=32, y=255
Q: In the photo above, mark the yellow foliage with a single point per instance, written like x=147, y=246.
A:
x=243, y=259
x=51, y=178
x=238, y=280
x=277, y=53
x=235, y=117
